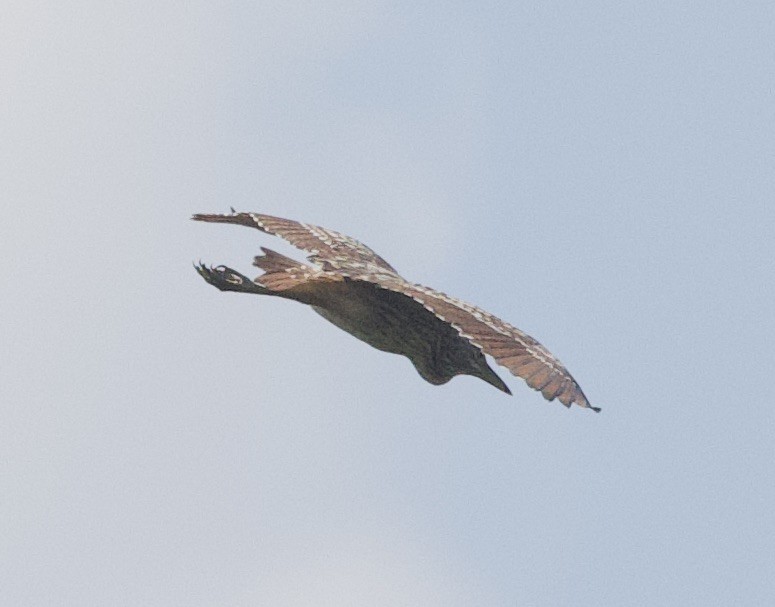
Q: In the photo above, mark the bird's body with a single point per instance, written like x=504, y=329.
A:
x=359, y=292
x=394, y=323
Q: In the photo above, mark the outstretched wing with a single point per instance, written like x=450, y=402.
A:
x=524, y=356
x=332, y=250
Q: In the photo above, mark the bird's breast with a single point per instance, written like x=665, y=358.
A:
x=365, y=313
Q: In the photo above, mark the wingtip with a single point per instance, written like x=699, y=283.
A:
x=214, y=216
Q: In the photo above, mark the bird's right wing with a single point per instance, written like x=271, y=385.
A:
x=330, y=249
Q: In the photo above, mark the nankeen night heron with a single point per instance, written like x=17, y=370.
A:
x=358, y=291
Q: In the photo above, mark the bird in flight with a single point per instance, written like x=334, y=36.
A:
x=351, y=286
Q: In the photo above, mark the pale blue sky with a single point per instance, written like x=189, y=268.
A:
x=599, y=174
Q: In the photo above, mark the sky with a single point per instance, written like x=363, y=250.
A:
x=599, y=174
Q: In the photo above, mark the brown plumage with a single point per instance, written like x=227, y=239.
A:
x=358, y=291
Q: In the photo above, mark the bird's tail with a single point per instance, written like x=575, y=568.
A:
x=281, y=273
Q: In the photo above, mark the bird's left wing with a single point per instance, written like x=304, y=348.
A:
x=524, y=356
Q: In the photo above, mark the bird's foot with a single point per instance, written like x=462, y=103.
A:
x=225, y=279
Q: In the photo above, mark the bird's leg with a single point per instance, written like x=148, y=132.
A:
x=226, y=279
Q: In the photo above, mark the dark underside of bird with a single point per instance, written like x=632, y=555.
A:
x=358, y=291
